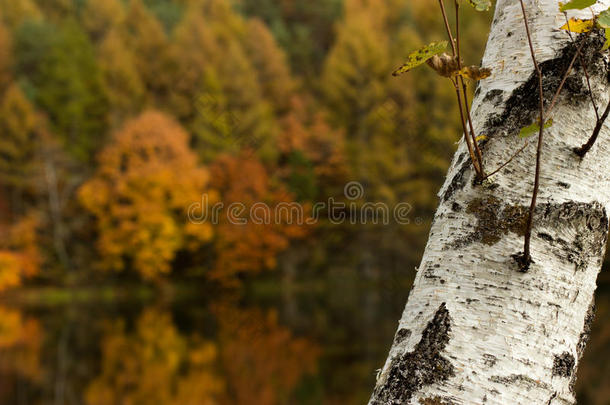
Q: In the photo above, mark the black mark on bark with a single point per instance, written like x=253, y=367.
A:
x=423, y=366
x=588, y=220
x=435, y=401
x=458, y=181
x=563, y=365
x=521, y=108
x=401, y=335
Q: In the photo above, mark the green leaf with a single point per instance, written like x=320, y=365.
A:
x=576, y=5
x=480, y=5
x=607, y=44
x=420, y=56
x=534, y=128
x=604, y=19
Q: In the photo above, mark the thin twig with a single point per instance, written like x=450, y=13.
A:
x=449, y=34
x=508, y=161
x=584, y=68
x=527, y=257
x=473, y=158
x=473, y=135
x=567, y=73
x=477, y=169
x=582, y=151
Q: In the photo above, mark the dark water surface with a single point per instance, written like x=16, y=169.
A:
x=302, y=344
x=273, y=344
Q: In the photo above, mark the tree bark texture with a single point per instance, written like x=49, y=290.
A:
x=475, y=329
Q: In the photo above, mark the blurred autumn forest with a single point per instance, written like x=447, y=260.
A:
x=117, y=115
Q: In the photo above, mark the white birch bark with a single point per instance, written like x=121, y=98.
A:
x=475, y=329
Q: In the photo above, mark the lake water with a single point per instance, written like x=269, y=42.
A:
x=270, y=344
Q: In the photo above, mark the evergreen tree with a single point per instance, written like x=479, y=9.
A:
x=219, y=93
x=122, y=81
x=72, y=94
x=18, y=140
x=146, y=38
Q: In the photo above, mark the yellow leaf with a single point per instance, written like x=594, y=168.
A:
x=475, y=72
x=578, y=25
x=481, y=138
x=420, y=56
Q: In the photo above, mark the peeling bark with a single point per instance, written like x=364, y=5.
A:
x=475, y=329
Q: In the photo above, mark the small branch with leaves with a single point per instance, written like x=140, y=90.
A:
x=451, y=66
x=602, y=21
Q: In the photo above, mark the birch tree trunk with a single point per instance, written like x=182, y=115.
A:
x=475, y=329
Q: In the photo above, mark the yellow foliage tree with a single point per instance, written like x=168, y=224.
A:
x=14, y=12
x=146, y=181
x=100, y=17
x=5, y=57
x=19, y=254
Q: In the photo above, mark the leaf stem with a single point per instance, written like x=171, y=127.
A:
x=584, y=68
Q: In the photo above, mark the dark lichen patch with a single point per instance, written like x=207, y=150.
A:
x=521, y=108
x=586, y=330
x=489, y=360
x=423, y=366
x=437, y=400
x=589, y=221
x=458, y=181
x=494, y=220
x=401, y=335
x=494, y=96
x=563, y=365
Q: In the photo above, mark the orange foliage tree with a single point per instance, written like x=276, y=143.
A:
x=146, y=180
x=249, y=238
x=307, y=135
x=19, y=254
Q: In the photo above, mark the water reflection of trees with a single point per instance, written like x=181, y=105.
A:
x=252, y=360
x=154, y=364
x=262, y=361
x=20, y=343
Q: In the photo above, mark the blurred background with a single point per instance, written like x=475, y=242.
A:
x=117, y=117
